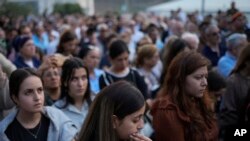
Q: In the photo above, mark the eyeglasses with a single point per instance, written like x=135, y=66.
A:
x=51, y=73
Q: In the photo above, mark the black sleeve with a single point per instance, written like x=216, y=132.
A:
x=229, y=107
x=102, y=83
x=141, y=84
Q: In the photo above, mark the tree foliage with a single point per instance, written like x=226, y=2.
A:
x=16, y=9
x=68, y=8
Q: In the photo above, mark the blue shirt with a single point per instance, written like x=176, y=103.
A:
x=77, y=116
x=61, y=127
x=226, y=64
x=213, y=56
x=20, y=63
x=41, y=43
x=94, y=81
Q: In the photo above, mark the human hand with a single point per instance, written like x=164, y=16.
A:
x=139, y=137
x=60, y=59
x=48, y=62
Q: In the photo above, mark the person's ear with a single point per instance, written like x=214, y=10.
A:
x=115, y=121
x=110, y=59
x=15, y=99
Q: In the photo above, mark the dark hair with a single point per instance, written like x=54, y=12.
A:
x=90, y=31
x=121, y=99
x=150, y=31
x=67, y=36
x=40, y=53
x=84, y=51
x=242, y=60
x=110, y=39
x=176, y=47
x=16, y=79
x=68, y=70
x=215, y=81
x=117, y=48
x=151, y=27
x=203, y=25
x=19, y=41
x=21, y=28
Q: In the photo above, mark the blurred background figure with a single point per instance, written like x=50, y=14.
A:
x=26, y=53
x=76, y=96
x=40, y=38
x=216, y=89
x=91, y=56
x=120, y=69
x=191, y=39
x=147, y=58
x=50, y=73
x=213, y=48
x=236, y=98
x=68, y=44
x=175, y=47
x=235, y=43
x=5, y=100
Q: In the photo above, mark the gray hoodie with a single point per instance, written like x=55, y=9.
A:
x=61, y=127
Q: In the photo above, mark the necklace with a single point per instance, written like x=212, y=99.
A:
x=32, y=134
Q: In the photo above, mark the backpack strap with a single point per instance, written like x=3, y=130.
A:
x=105, y=78
x=133, y=75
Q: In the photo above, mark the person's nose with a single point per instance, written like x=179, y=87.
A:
x=80, y=82
x=36, y=95
x=124, y=62
x=54, y=76
x=140, y=124
x=204, y=81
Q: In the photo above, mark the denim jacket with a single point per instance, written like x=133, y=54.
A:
x=61, y=127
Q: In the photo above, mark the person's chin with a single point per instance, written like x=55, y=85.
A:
x=54, y=86
x=200, y=95
x=81, y=92
x=38, y=110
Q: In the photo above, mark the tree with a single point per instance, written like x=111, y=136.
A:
x=68, y=8
x=11, y=9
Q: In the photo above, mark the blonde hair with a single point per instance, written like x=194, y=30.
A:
x=145, y=51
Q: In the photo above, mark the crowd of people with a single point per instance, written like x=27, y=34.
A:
x=140, y=77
